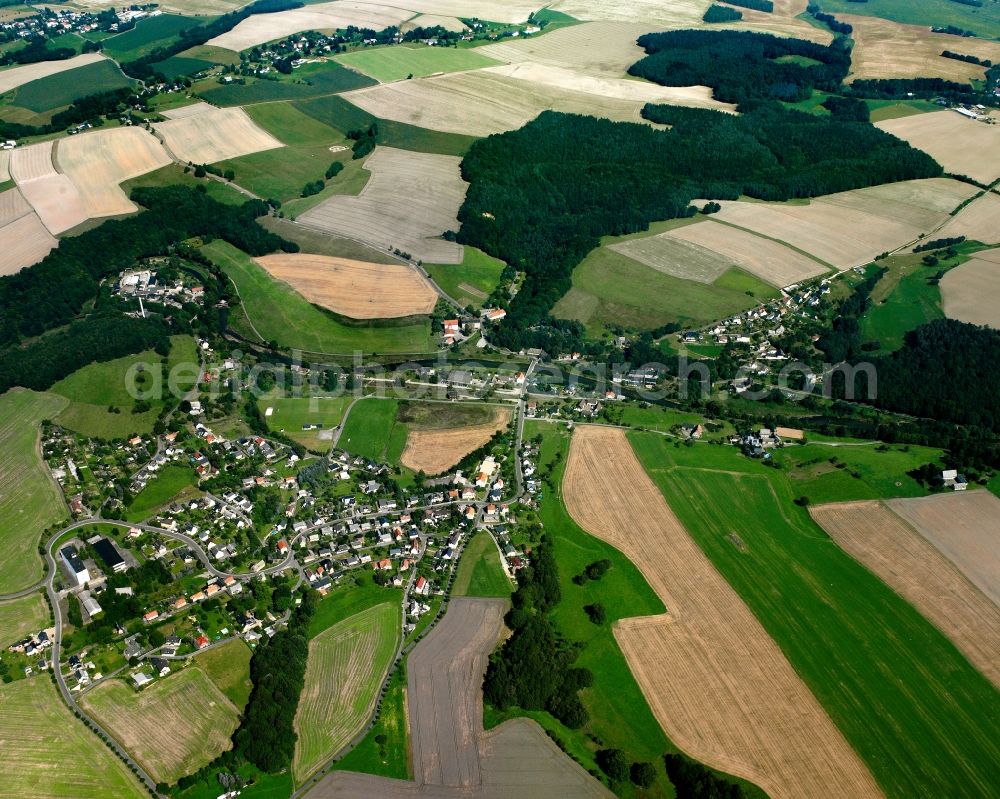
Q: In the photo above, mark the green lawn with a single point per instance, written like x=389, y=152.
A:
x=470, y=282
x=39, y=732
x=99, y=386
x=147, y=35
x=373, y=431
x=289, y=414
x=349, y=598
x=21, y=617
x=280, y=314
x=984, y=20
x=387, y=64
x=55, y=91
x=228, y=666
x=30, y=500
x=479, y=571
x=171, y=480
x=924, y=721
x=385, y=750
x=342, y=115
x=309, y=81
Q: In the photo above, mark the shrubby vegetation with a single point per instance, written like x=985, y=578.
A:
x=694, y=781
x=756, y=5
x=920, y=88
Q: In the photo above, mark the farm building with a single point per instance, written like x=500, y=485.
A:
x=74, y=565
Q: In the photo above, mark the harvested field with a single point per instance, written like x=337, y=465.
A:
x=452, y=756
x=57, y=202
x=612, y=87
x=18, y=76
x=24, y=242
x=961, y=145
x=780, y=25
x=411, y=199
x=188, y=110
x=97, y=162
x=261, y=28
x=21, y=617
x=716, y=681
x=434, y=20
x=506, y=11
x=4, y=165
x=978, y=221
x=436, y=451
x=886, y=49
x=888, y=546
x=32, y=162
x=215, y=135
x=880, y=219
x=605, y=48
x=172, y=727
x=346, y=666
x=672, y=256
x=971, y=292
x=386, y=64
x=675, y=14
x=358, y=289
x=964, y=526
x=482, y=102
x=12, y=206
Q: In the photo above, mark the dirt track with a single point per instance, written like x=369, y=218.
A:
x=716, y=681
x=884, y=543
x=452, y=755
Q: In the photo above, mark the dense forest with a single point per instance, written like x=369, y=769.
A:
x=541, y=197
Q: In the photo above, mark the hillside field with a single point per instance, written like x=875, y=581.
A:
x=479, y=571
x=470, y=282
x=21, y=617
x=387, y=64
x=373, y=431
x=228, y=666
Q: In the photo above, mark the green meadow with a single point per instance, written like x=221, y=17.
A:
x=479, y=571
x=373, y=431
x=171, y=481
x=470, y=282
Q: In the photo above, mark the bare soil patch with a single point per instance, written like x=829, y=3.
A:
x=215, y=135
x=965, y=527
x=358, y=289
x=719, y=685
x=888, y=546
x=24, y=242
x=436, y=451
x=971, y=292
x=961, y=145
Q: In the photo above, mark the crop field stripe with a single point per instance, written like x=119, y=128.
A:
x=922, y=718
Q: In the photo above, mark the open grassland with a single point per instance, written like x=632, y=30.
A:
x=52, y=92
x=610, y=288
x=971, y=291
x=356, y=289
x=488, y=101
x=884, y=49
x=983, y=20
x=922, y=719
x=717, y=682
x=411, y=199
x=470, y=282
x=95, y=388
x=961, y=145
x=963, y=526
x=98, y=161
x=171, y=481
x=882, y=542
x=290, y=415
x=51, y=754
x=373, y=431
x=21, y=617
x=12, y=77
x=146, y=36
x=214, y=136
x=387, y=64
x=23, y=242
x=435, y=450
x=321, y=80
x=880, y=219
x=346, y=666
x=261, y=28
x=228, y=667
x=29, y=499
x=479, y=571
x=276, y=312
x=172, y=727
x=977, y=221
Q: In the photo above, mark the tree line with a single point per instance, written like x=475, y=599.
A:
x=82, y=109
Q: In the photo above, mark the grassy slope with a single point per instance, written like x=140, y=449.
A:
x=480, y=572
x=984, y=21
x=228, y=666
x=51, y=754
x=478, y=270
x=391, y=758
x=387, y=64
x=29, y=500
x=281, y=314
x=171, y=481
x=373, y=432
x=312, y=241
x=348, y=599
x=21, y=617
x=146, y=36
x=924, y=721
x=56, y=91
x=290, y=413
x=310, y=81
x=94, y=388
x=174, y=175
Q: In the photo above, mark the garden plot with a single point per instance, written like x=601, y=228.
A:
x=24, y=242
x=98, y=161
x=716, y=681
x=410, y=199
x=357, y=289
x=961, y=145
x=850, y=228
x=971, y=292
x=17, y=76
x=886, y=49
x=888, y=546
x=978, y=221
x=260, y=28
x=215, y=135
